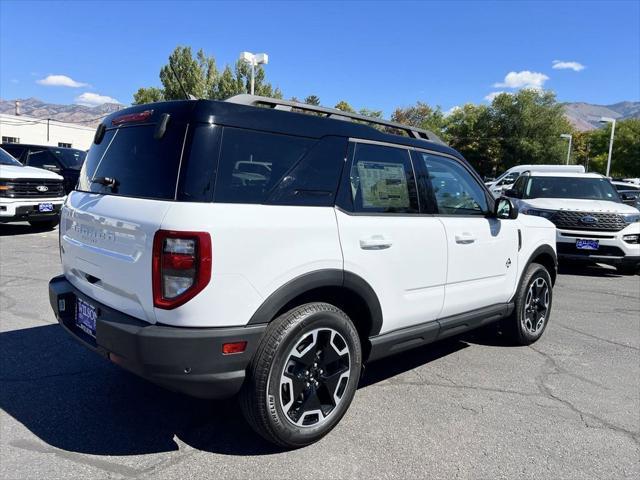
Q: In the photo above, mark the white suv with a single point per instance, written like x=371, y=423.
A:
x=592, y=222
x=189, y=269
x=29, y=194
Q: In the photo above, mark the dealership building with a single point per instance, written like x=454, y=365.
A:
x=31, y=130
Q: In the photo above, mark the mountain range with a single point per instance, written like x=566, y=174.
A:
x=583, y=116
x=83, y=115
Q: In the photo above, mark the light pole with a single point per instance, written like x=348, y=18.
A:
x=566, y=135
x=254, y=59
x=612, y=121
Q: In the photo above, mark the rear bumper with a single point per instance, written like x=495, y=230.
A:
x=186, y=360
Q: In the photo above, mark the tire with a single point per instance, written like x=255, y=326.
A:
x=299, y=406
x=628, y=269
x=45, y=224
x=533, y=303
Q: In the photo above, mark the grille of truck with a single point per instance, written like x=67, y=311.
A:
x=31, y=188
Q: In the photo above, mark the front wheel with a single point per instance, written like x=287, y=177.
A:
x=44, y=224
x=532, y=306
x=303, y=376
x=628, y=269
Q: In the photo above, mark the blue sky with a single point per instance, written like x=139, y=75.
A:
x=372, y=54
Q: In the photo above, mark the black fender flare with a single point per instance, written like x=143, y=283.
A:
x=318, y=279
x=547, y=249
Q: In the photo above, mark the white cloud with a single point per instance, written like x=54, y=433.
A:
x=89, y=99
x=60, y=81
x=523, y=79
x=493, y=95
x=562, y=65
x=451, y=110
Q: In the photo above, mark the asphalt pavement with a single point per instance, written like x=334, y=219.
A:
x=468, y=407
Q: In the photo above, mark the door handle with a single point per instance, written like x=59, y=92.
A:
x=465, y=238
x=375, y=242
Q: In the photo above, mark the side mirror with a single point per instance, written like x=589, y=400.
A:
x=510, y=192
x=627, y=196
x=505, y=209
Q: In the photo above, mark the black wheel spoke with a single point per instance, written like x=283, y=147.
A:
x=309, y=381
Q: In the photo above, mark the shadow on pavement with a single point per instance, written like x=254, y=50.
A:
x=12, y=229
x=76, y=401
x=587, y=270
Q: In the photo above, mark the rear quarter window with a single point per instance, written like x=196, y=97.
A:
x=252, y=163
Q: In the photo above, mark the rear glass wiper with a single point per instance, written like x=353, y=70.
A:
x=106, y=181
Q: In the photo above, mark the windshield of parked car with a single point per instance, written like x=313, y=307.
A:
x=6, y=159
x=571, y=187
x=70, y=157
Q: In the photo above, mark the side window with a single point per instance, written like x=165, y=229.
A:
x=518, y=187
x=456, y=191
x=382, y=180
x=252, y=163
x=42, y=159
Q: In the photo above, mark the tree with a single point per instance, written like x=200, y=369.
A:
x=312, y=100
x=201, y=78
x=148, y=95
x=370, y=113
x=470, y=130
x=625, y=157
x=528, y=125
x=344, y=106
x=422, y=116
x=197, y=75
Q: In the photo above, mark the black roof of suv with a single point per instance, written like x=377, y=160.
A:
x=232, y=113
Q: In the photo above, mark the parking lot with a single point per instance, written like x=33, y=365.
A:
x=469, y=407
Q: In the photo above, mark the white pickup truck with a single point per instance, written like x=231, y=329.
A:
x=29, y=194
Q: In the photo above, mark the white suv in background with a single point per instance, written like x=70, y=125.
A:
x=218, y=248
x=505, y=181
x=29, y=194
x=592, y=222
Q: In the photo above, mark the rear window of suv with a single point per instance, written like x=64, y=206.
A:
x=141, y=165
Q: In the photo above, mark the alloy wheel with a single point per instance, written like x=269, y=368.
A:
x=536, y=306
x=315, y=377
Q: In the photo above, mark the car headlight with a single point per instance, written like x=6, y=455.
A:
x=631, y=217
x=539, y=213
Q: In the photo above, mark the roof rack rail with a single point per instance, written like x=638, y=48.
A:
x=287, y=105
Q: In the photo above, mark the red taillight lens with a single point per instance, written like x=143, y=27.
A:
x=181, y=266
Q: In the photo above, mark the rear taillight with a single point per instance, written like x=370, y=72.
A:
x=181, y=266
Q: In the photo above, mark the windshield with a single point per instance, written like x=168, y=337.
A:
x=6, y=159
x=70, y=157
x=571, y=187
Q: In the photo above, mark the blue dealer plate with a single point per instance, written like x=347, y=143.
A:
x=583, y=244
x=86, y=315
x=45, y=207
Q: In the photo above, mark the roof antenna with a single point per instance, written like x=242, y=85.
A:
x=184, y=90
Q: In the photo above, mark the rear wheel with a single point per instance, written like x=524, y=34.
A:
x=303, y=376
x=44, y=224
x=532, y=306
